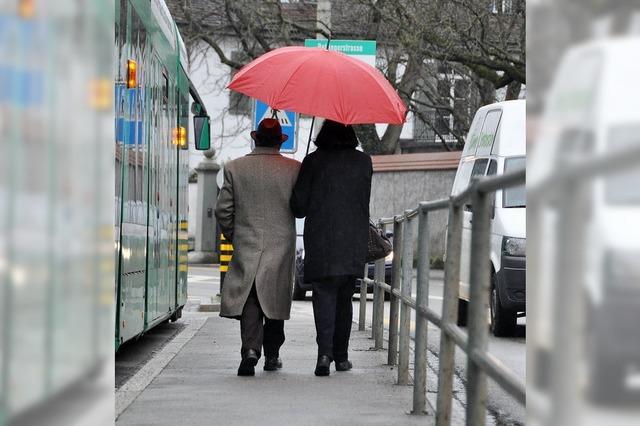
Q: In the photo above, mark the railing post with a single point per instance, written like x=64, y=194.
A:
x=405, y=310
x=478, y=307
x=422, y=300
x=394, y=306
x=569, y=269
x=363, y=302
x=378, y=304
x=378, y=299
x=373, y=304
x=446, y=357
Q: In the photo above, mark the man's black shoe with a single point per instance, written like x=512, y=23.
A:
x=322, y=367
x=249, y=361
x=272, y=364
x=344, y=365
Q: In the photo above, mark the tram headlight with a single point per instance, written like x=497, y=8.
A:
x=132, y=74
x=26, y=9
x=180, y=136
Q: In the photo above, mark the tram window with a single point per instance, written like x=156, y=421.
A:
x=165, y=88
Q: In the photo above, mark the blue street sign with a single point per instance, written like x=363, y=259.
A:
x=287, y=121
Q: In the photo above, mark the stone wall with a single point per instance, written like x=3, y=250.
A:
x=400, y=182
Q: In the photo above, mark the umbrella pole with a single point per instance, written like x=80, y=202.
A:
x=313, y=120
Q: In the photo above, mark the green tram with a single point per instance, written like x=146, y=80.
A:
x=152, y=98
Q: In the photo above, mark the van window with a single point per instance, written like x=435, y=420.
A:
x=487, y=136
x=462, y=177
x=479, y=167
x=573, y=96
x=474, y=132
x=515, y=196
x=493, y=168
x=622, y=187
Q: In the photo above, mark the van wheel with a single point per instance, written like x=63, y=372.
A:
x=462, y=312
x=298, y=293
x=503, y=321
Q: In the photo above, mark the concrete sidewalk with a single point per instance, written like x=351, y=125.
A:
x=199, y=385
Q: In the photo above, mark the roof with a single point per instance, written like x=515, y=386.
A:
x=423, y=161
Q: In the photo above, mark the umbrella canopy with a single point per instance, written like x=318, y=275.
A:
x=322, y=83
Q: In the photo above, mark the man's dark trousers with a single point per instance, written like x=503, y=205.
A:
x=256, y=334
x=333, y=311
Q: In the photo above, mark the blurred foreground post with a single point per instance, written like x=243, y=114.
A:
x=422, y=301
x=449, y=316
x=478, y=307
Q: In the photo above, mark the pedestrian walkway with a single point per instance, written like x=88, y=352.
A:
x=199, y=385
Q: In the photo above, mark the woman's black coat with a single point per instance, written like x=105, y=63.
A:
x=332, y=192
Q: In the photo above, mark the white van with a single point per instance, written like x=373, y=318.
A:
x=592, y=111
x=496, y=144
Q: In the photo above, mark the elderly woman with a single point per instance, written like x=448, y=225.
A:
x=332, y=191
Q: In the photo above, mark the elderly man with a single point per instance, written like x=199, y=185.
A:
x=253, y=213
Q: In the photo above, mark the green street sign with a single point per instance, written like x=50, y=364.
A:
x=361, y=49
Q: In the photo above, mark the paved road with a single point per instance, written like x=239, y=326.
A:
x=203, y=285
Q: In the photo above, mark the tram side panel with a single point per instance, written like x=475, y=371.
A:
x=183, y=196
x=130, y=140
x=152, y=176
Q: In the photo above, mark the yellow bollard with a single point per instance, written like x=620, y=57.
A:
x=226, y=253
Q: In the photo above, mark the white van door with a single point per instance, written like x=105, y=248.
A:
x=480, y=163
x=478, y=169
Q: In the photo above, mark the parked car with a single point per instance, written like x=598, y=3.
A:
x=496, y=145
x=301, y=286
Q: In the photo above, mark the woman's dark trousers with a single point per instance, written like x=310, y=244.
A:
x=333, y=311
x=256, y=334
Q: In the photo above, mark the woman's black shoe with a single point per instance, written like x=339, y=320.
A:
x=344, y=365
x=249, y=361
x=272, y=364
x=322, y=367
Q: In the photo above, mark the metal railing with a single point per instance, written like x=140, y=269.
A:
x=568, y=193
x=474, y=342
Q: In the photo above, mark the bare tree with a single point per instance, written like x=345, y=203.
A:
x=481, y=42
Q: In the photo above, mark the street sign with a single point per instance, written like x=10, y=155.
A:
x=365, y=50
x=287, y=122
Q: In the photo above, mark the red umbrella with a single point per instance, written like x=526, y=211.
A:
x=322, y=83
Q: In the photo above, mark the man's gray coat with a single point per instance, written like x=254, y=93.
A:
x=253, y=213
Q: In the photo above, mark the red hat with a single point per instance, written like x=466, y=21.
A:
x=269, y=128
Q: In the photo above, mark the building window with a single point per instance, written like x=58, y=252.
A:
x=422, y=132
x=239, y=104
x=443, y=116
x=461, y=98
x=504, y=7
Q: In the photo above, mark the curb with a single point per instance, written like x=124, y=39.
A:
x=215, y=307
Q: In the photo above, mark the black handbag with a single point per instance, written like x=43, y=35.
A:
x=379, y=245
